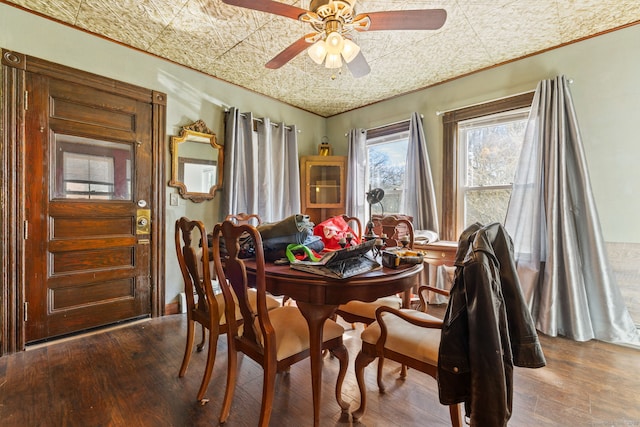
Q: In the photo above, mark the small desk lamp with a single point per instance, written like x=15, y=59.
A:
x=373, y=196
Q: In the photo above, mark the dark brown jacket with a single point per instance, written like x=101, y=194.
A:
x=487, y=329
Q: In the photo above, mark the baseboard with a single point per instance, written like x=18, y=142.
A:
x=172, y=308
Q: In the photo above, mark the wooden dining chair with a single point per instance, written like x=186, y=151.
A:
x=355, y=224
x=396, y=229
x=203, y=305
x=274, y=339
x=244, y=218
x=407, y=336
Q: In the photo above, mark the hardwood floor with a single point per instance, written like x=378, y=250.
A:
x=129, y=377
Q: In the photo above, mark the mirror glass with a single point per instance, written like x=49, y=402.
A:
x=196, y=163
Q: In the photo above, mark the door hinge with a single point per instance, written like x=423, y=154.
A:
x=26, y=311
x=26, y=99
x=26, y=229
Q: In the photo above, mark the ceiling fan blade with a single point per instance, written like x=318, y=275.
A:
x=422, y=19
x=359, y=66
x=269, y=6
x=289, y=53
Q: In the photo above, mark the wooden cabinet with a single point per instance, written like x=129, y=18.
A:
x=323, y=180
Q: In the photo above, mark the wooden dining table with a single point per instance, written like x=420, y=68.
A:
x=318, y=297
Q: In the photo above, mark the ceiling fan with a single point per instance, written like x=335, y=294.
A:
x=334, y=23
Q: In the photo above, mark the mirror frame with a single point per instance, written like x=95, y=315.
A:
x=200, y=130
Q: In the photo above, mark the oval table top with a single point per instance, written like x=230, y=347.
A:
x=318, y=289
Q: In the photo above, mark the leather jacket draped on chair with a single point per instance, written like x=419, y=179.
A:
x=487, y=328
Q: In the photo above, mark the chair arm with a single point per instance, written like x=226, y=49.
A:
x=433, y=289
x=406, y=316
x=421, y=294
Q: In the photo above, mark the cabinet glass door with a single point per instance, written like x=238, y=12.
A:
x=324, y=181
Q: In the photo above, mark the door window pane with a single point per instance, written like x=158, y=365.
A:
x=85, y=168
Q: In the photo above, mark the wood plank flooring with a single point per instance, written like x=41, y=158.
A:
x=128, y=377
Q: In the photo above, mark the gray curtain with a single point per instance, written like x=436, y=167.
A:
x=356, y=170
x=552, y=218
x=419, y=198
x=261, y=168
x=240, y=164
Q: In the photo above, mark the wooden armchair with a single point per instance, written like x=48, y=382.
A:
x=274, y=339
x=203, y=305
x=409, y=337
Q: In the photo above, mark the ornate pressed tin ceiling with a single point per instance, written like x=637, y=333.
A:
x=234, y=44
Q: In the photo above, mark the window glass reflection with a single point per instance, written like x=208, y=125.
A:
x=85, y=168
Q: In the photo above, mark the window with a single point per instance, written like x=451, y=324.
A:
x=386, y=163
x=489, y=151
x=481, y=150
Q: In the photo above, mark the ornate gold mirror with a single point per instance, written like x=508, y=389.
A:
x=196, y=162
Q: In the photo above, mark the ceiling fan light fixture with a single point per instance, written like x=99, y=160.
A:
x=318, y=51
x=334, y=42
x=350, y=50
x=333, y=60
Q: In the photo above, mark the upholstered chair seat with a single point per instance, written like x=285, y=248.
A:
x=406, y=338
x=293, y=331
x=367, y=310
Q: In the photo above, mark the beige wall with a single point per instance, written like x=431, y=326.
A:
x=606, y=92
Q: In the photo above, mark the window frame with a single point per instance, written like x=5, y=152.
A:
x=450, y=172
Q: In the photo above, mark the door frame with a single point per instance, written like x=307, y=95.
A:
x=14, y=98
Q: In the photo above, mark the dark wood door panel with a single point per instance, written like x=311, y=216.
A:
x=86, y=244
x=90, y=130
x=80, y=209
x=80, y=261
x=115, y=120
x=66, y=297
x=70, y=101
x=76, y=220
x=65, y=227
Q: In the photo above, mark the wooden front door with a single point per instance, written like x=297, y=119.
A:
x=88, y=188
